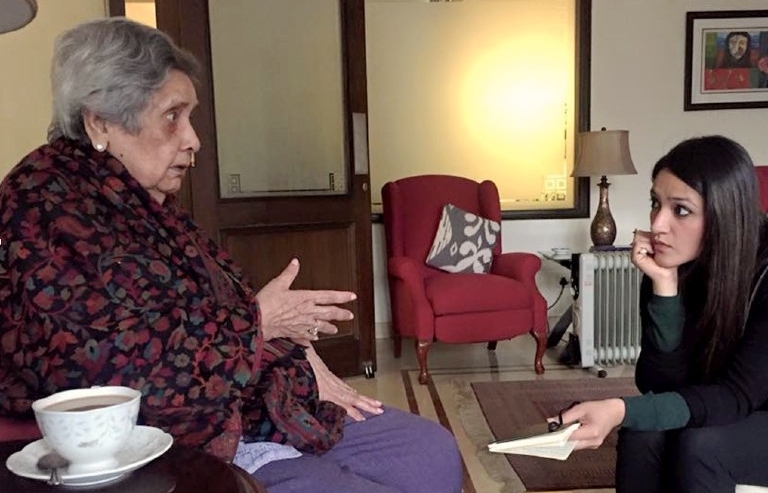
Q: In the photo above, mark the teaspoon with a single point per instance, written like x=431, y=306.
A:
x=52, y=462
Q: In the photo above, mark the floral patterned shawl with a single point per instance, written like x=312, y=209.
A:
x=101, y=285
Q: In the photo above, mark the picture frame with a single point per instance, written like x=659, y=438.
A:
x=726, y=60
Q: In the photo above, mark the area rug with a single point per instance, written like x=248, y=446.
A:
x=508, y=406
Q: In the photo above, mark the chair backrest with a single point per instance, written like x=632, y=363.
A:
x=762, y=180
x=412, y=208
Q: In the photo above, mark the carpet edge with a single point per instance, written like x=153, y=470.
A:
x=476, y=428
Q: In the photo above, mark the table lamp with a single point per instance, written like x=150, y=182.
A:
x=599, y=154
x=15, y=14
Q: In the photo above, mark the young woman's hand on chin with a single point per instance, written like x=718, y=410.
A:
x=643, y=257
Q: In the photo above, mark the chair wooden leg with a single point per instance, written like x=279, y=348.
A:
x=398, y=342
x=541, y=347
x=492, y=345
x=422, y=348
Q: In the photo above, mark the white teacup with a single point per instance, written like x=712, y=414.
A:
x=88, y=426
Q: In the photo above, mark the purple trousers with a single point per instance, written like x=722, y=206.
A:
x=394, y=452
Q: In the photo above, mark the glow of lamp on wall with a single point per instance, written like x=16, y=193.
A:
x=508, y=112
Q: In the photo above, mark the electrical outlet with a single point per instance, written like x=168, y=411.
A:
x=233, y=183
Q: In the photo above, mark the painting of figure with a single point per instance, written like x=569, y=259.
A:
x=735, y=60
x=726, y=60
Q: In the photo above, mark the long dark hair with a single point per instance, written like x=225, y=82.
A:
x=715, y=287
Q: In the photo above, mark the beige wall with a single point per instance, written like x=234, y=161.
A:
x=637, y=84
x=25, y=57
x=638, y=49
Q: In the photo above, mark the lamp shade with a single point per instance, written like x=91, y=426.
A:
x=605, y=152
x=15, y=14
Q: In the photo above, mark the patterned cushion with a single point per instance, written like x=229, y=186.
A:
x=463, y=242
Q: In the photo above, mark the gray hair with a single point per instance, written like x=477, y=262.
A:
x=111, y=67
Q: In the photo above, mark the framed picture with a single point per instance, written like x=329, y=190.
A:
x=726, y=60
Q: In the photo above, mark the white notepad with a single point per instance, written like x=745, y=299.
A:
x=538, y=441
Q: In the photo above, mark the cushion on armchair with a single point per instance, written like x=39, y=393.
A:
x=463, y=242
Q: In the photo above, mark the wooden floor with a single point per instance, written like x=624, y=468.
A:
x=452, y=367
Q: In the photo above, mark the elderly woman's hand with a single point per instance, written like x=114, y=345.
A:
x=299, y=314
x=333, y=389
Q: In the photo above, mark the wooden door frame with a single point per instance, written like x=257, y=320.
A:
x=193, y=35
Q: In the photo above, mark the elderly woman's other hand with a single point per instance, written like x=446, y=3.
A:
x=299, y=314
x=334, y=389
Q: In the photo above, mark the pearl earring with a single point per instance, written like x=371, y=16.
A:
x=99, y=147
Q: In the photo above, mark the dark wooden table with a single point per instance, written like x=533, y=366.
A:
x=179, y=470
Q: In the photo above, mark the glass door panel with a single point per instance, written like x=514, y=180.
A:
x=279, y=97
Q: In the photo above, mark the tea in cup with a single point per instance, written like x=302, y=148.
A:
x=88, y=426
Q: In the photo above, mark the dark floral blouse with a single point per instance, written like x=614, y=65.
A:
x=102, y=285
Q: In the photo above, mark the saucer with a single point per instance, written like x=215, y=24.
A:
x=145, y=444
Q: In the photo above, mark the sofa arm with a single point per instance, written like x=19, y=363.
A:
x=521, y=266
x=414, y=315
x=412, y=275
x=406, y=268
x=18, y=429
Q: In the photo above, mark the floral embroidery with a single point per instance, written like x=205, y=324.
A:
x=101, y=285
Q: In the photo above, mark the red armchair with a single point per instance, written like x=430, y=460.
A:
x=762, y=181
x=429, y=304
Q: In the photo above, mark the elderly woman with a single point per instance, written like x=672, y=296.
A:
x=105, y=280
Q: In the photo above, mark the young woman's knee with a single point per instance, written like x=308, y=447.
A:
x=701, y=445
x=702, y=452
x=640, y=464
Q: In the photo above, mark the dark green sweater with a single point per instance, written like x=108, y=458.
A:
x=668, y=410
x=665, y=375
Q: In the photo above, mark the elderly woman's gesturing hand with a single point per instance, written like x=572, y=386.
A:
x=299, y=314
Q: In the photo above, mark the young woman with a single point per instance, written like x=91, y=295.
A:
x=701, y=423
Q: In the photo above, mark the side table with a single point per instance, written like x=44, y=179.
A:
x=180, y=470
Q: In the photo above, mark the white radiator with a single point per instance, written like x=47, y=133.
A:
x=606, y=311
